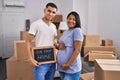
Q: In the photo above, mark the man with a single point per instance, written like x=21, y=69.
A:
x=44, y=33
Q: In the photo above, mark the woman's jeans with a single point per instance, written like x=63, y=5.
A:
x=44, y=72
x=70, y=76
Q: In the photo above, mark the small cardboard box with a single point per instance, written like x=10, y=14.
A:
x=107, y=69
x=23, y=35
x=87, y=76
x=20, y=50
x=19, y=70
x=57, y=18
x=107, y=42
x=91, y=40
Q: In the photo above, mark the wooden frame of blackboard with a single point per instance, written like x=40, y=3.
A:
x=44, y=54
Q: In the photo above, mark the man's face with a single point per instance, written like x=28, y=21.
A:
x=50, y=12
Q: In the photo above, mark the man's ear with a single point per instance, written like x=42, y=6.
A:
x=44, y=9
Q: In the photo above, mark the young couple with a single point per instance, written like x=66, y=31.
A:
x=69, y=45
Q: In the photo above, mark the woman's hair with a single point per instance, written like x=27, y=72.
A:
x=52, y=5
x=77, y=19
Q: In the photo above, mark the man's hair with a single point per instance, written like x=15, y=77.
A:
x=52, y=5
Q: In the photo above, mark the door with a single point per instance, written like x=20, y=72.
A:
x=13, y=23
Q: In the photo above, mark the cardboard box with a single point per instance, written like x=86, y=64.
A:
x=91, y=40
x=93, y=56
x=87, y=76
x=102, y=52
x=99, y=48
x=57, y=18
x=23, y=35
x=20, y=50
x=107, y=69
x=19, y=70
x=107, y=42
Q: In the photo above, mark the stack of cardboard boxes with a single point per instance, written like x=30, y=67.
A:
x=94, y=50
x=18, y=66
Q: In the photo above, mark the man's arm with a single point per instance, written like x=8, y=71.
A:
x=29, y=39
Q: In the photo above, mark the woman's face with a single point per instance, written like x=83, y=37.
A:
x=71, y=21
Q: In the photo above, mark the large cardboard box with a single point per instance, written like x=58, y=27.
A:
x=19, y=70
x=20, y=50
x=87, y=76
x=87, y=49
x=91, y=40
x=93, y=56
x=107, y=69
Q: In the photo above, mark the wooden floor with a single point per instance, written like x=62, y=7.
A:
x=2, y=69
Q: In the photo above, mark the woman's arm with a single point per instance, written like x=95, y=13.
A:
x=77, y=45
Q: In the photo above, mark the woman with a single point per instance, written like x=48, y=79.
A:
x=68, y=57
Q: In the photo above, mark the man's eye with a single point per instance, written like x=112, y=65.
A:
x=49, y=11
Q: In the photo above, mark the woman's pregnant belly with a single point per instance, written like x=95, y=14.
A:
x=64, y=55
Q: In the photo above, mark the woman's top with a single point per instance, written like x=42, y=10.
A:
x=63, y=56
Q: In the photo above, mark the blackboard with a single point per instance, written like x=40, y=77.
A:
x=44, y=54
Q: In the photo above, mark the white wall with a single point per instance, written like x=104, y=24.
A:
x=0, y=2
x=65, y=7
x=109, y=21
x=104, y=19
x=81, y=6
x=1, y=35
x=93, y=17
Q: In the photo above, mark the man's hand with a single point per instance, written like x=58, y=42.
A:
x=34, y=62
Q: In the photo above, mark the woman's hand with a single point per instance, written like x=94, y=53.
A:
x=64, y=66
x=62, y=46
